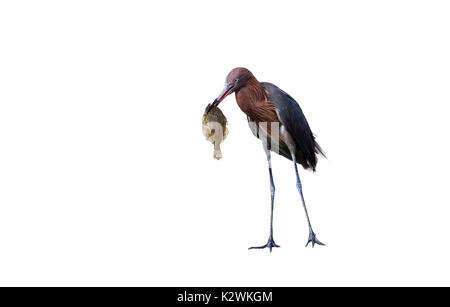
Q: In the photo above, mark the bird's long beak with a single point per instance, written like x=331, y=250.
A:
x=227, y=90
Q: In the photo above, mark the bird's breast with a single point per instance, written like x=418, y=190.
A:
x=258, y=111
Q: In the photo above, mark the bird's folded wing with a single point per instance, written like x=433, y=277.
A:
x=291, y=116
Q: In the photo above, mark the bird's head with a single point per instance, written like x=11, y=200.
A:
x=236, y=79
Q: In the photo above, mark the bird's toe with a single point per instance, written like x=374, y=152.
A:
x=312, y=238
x=270, y=244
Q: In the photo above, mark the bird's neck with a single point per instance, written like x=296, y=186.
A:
x=250, y=95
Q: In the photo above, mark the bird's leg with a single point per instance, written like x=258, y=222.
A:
x=270, y=243
x=312, y=236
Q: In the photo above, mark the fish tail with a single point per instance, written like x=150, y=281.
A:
x=217, y=151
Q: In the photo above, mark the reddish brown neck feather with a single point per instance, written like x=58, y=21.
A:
x=253, y=101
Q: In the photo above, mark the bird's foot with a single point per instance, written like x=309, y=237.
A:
x=270, y=244
x=312, y=238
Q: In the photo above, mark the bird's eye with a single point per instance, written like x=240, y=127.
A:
x=236, y=80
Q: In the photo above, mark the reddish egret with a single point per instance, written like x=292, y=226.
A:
x=276, y=118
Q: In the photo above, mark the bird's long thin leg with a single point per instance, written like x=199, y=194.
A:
x=270, y=243
x=272, y=198
x=312, y=236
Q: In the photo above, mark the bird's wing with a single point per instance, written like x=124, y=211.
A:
x=291, y=116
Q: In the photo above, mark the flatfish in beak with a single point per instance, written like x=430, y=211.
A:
x=215, y=130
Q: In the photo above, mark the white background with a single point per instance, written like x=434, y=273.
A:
x=106, y=179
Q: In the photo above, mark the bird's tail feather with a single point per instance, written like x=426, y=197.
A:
x=319, y=150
